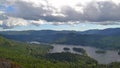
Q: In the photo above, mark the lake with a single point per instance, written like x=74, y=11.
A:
x=102, y=58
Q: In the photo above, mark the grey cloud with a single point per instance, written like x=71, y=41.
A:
x=101, y=12
x=93, y=12
x=97, y=12
x=28, y=11
x=3, y=17
x=71, y=14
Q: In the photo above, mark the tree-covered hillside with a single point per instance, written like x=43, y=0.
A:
x=108, y=38
x=106, y=42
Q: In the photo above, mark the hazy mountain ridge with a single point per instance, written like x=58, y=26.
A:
x=94, y=31
x=110, y=31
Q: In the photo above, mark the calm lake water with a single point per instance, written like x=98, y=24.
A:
x=102, y=58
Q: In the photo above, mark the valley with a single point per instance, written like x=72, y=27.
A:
x=59, y=33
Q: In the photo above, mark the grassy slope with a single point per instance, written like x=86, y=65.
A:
x=21, y=53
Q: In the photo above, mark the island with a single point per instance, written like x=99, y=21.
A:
x=100, y=51
x=81, y=50
x=66, y=49
x=118, y=52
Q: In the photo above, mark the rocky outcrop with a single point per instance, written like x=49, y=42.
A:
x=8, y=64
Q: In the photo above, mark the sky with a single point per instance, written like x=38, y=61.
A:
x=79, y=15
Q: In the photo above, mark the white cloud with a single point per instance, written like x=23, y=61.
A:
x=12, y=22
x=39, y=22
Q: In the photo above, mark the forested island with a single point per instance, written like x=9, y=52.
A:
x=81, y=50
x=118, y=52
x=100, y=51
x=66, y=49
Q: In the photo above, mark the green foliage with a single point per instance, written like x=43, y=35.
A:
x=69, y=57
x=72, y=59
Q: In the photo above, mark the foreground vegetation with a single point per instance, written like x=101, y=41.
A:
x=24, y=55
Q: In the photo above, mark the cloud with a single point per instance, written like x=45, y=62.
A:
x=102, y=11
x=12, y=22
x=23, y=12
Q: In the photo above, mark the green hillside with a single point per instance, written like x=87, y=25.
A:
x=21, y=53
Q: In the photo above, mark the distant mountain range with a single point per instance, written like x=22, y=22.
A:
x=110, y=31
x=107, y=38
